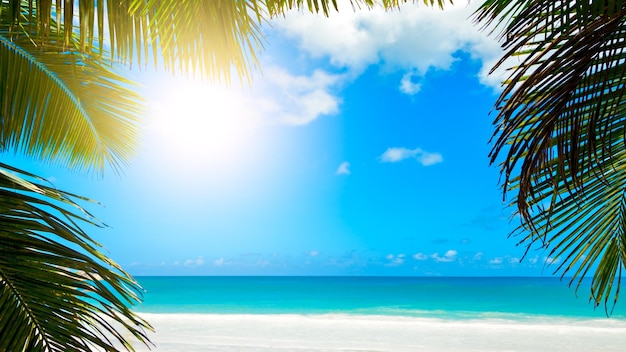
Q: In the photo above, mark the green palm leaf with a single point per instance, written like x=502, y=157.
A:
x=58, y=292
x=560, y=127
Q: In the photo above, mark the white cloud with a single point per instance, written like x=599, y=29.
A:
x=343, y=169
x=496, y=261
x=534, y=260
x=413, y=39
x=451, y=253
x=394, y=155
x=193, y=262
x=219, y=262
x=407, y=86
x=313, y=253
x=296, y=100
x=395, y=260
x=263, y=263
x=276, y=96
x=420, y=256
x=428, y=159
x=552, y=260
x=450, y=256
x=478, y=256
x=513, y=260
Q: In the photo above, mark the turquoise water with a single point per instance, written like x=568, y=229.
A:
x=433, y=297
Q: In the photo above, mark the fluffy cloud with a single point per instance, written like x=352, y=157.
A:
x=428, y=159
x=343, y=169
x=295, y=99
x=551, y=260
x=450, y=256
x=407, y=86
x=505, y=261
x=395, y=260
x=420, y=256
x=394, y=155
x=477, y=256
x=413, y=39
x=313, y=253
x=193, y=262
x=496, y=261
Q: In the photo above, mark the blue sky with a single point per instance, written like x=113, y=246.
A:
x=360, y=150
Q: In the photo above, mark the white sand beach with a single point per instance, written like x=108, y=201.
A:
x=239, y=332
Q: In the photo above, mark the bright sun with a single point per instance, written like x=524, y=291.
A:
x=206, y=137
x=202, y=123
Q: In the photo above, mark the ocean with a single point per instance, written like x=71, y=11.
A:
x=440, y=297
x=382, y=314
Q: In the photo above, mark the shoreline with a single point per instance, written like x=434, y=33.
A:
x=346, y=332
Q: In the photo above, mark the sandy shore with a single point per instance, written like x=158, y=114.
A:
x=215, y=332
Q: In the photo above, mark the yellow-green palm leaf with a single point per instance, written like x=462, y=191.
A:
x=64, y=107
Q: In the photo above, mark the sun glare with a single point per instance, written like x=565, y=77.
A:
x=202, y=123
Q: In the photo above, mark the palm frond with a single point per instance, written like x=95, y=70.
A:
x=560, y=127
x=208, y=37
x=279, y=7
x=58, y=291
x=65, y=107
